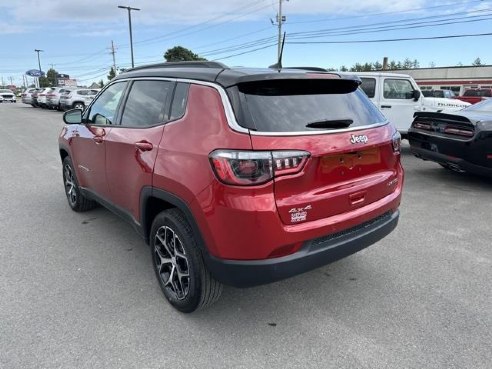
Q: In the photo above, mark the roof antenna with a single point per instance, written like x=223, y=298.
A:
x=278, y=64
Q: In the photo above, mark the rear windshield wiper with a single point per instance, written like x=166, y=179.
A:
x=335, y=123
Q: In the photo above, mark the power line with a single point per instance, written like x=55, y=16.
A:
x=247, y=52
x=387, y=13
x=363, y=29
x=385, y=25
x=186, y=31
x=389, y=40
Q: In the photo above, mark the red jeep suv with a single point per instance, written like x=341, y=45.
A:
x=235, y=176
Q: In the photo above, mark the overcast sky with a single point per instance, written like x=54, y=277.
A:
x=76, y=36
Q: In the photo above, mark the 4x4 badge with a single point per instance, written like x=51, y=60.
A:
x=299, y=214
x=358, y=139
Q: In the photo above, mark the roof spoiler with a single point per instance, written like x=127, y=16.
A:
x=183, y=64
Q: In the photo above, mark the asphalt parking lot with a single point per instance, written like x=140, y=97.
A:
x=78, y=290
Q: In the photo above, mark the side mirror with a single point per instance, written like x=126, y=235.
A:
x=73, y=116
x=416, y=95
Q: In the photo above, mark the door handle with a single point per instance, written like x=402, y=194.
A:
x=385, y=106
x=144, y=145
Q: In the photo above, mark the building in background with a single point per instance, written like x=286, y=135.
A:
x=63, y=80
x=457, y=79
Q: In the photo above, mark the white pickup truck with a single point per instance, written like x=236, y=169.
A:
x=399, y=97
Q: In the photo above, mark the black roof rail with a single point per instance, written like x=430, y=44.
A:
x=183, y=64
x=314, y=69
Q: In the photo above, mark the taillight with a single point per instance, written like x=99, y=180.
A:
x=247, y=168
x=396, y=142
x=458, y=131
x=423, y=125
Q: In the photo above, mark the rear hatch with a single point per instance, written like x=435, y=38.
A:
x=351, y=161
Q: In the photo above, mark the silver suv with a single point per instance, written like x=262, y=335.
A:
x=7, y=95
x=53, y=97
x=77, y=99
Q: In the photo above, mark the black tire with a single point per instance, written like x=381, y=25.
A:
x=178, y=264
x=76, y=200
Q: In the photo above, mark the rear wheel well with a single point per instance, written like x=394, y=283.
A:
x=63, y=154
x=152, y=208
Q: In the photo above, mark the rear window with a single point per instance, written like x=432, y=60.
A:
x=304, y=105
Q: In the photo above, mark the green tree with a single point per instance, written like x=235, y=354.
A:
x=179, y=53
x=49, y=80
x=343, y=68
x=112, y=74
x=407, y=64
x=377, y=66
x=101, y=83
x=477, y=62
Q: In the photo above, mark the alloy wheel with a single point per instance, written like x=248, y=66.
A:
x=70, y=186
x=171, y=263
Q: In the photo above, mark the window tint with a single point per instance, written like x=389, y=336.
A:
x=146, y=103
x=296, y=104
x=180, y=98
x=397, y=89
x=103, y=110
x=369, y=86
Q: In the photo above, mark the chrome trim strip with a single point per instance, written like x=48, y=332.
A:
x=231, y=118
x=317, y=133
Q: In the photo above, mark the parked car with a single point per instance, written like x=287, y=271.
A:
x=42, y=97
x=475, y=95
x=236, y=176
x=26, y=96
x=53, y=97
x=396, y=95
x=461, y=141
x=1, y=99
x=34, y=97
x=7, y=95
x=77, y=98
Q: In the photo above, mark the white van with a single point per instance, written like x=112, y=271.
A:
x=396, y=95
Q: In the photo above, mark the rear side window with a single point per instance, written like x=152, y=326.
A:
x=146, y=103
x=305, y=105
x=368, y=85
x=180, y=98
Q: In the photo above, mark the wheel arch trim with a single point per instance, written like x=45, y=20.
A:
x=149, y=192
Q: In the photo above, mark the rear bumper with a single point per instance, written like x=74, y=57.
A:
x=313, y=254
x=455, y=163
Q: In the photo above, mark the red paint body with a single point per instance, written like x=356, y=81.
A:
x=342, y=184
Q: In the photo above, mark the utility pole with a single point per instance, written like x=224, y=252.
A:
x=39, y=65
x=280, y=19
x=114, y=59
x=39, y=61
x=130, y=27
